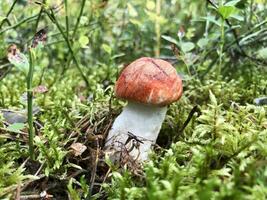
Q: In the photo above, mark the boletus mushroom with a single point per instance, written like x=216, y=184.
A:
x=149, y=85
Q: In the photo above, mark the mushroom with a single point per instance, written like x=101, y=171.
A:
x=149, y=85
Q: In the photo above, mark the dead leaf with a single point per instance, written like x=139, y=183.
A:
x=40, y=37
x=18, y=59
x=12, y=117
x=40, y=89
x=78, y=148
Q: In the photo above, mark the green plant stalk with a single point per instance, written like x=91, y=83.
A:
x=29, y=19
x=8, y=13
x=157, y=28
x=78, y=19
x=66, y=17
x=251, y=12
x=39, y=17
x=29, y=103
x=221, y=45
x=184, y=61
x=75, y=31
x=54, y=20
x=221, y=49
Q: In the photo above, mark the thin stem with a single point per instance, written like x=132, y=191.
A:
x=221, y=45
x=78, y=19
x=75, y=30
x=251, y=12
x=124, y=5
x=8, y=13
x=221, y=50
x=29, y=102
x=32, y=18
x=66, y=17
x=207, y=26
x=157, y=28
x=230, y=26
x=59, y=33
x=54, y=20
x=39, y=17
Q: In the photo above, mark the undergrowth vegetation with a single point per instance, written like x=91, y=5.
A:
x=213, y=142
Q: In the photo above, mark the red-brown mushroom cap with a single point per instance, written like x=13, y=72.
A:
x=149, y=81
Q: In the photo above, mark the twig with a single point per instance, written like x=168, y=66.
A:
x=77, y=173
x=5, y=65
x=104, y=180
x=36, y=173
x=191, y=114
x=8, y=13
x=93, y=173
x=40, y=168
x=17, y=197
x=79, y=126
x=35, y=196
x=18, y=191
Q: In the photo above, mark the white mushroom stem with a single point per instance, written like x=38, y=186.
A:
x=136, y=120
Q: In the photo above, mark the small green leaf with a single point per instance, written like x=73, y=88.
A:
x=84, y=20
x=211, y=19
x=71, y=191
x=150, y=5
x=202, y=42
x=135, y=22
x=213, y=98
x=107, y=48
x=187, y=46
x=37, y=139
x=232, y=3
x=2, y=18
x=227, y=11
x=170, y=39
x=117, y=175
x=16, y=127
x=237, y=17
x=83, y=40
x=262, y=53
x=166, y=184
x=118, y=56
x=47, y=171
x=132, y=11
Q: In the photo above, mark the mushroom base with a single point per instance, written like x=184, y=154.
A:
x=134, y=131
